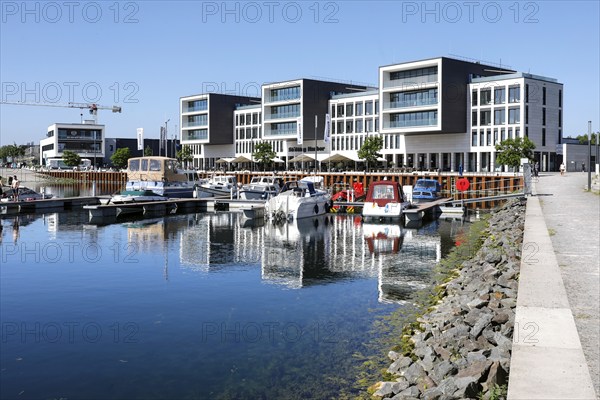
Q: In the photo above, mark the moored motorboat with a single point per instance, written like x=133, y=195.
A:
x=155, y=178
x=218, y=185
x=297, y=200
x=25, y=194
x=385, y=201
x=261, y=187
x=426, y=190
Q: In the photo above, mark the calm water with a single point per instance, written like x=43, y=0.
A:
x=199, y=305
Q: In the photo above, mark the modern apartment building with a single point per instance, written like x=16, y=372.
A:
x=206, y=122
x=85, y=139
x=439, y=113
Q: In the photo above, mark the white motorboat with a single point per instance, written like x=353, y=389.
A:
x=297, y=200
x=385, y=201
x=261, y=187
x=218, y=185
x=154, y=179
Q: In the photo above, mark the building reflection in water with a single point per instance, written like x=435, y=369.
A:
x=312, y=251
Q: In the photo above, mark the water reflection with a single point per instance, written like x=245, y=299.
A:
x=312, y=251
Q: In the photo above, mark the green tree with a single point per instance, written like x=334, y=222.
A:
x=72, y=159
x=264, y=154
x=583, y=139
x=370, y=149
x=148, y=151
x=120, y=157
x=510, y=151
x=185, y=155
x=13, y=151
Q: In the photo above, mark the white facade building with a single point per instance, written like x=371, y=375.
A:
x=434, y=114
x=87, y=140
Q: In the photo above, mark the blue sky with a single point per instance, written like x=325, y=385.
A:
x=145, y=55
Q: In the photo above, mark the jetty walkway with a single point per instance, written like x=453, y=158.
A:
x=556, y=344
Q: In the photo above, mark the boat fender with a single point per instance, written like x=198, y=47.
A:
x=316, y=209
x=387, y=208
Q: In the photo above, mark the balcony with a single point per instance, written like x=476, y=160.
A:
x=193, y=135
x=409, y=103
x=294, y=114
x=412, y=123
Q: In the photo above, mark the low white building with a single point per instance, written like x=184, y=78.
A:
x=85, y=139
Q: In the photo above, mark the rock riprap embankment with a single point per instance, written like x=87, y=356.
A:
x=461, y=348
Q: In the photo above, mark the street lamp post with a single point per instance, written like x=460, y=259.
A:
x=167, y=137
x=590, y=156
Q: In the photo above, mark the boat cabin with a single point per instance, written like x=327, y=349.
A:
x=384, y=192
x=156, y=169
x=426, y=190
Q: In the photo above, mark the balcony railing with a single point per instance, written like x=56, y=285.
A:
x=293, y=114
x=283, y=97
x=194, y=136
x=282, y=132
x=413, y=122
x=409, y=103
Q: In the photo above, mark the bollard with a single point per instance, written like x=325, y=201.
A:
x=94, y=188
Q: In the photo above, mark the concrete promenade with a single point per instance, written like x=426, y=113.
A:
x=557, y=339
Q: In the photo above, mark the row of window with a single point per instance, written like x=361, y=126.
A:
x=289, y=93
x=287, y=111
x=198, y=105
x=352, y=109
x=89, y=134
x=420, y=118
x=248, y=133
x=355, y=126
x=485, y=117
x=429, y=71
x=485, y=96
x=284, y=128
x=198, y=120
x=195, y=134
x=413, y=98
x=248, y=146
x=247, y=119
x=484, y=136
x=342, y=143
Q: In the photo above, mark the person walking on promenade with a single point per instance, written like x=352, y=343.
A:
x=562, y=168
x=582, y=167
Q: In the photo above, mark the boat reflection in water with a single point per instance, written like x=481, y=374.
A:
x=302, y=253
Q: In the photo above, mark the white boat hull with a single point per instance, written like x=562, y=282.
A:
x=291, y=207
x=391, y=211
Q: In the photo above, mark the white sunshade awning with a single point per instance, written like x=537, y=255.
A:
x=241, y=159
x=224, y=160
x=308, y=157
x=278, y=160
x=340, y=157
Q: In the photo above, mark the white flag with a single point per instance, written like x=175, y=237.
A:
x=327, y=133
x=299, y=132
x=140, y=138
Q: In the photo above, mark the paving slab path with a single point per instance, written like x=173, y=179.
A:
x=572, y=217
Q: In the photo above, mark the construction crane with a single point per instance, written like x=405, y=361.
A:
x=92, y=107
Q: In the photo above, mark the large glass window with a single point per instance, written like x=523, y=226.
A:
x=413, y=73
x=485, y=117
x=289, y=93
x=499, y=117
x=514, y=94
x=486, y=97
x=414, y=98
x=359, y=126
x=198, y=120
x=349, y=126
x=284, y=128
x=359, y=109
x=421, y=118
x=198, y=105
x=474, y=118
x=349, y=109
x=474, y=98
x=514, y=116
x=369, y=108
x=340, y=110
x=195, y=134
x=499, y=95
x=287, y=111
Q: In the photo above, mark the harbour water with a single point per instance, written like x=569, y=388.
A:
x=200, y=305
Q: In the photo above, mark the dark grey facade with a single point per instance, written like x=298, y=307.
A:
x=221, y=119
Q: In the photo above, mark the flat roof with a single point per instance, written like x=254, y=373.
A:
x=516, y=75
